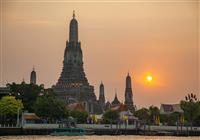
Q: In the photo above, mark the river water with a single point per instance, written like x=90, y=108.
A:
x=93, y=137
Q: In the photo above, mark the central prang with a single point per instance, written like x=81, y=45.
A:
x=73, y=86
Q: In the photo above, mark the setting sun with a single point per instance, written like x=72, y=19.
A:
x=149, y=78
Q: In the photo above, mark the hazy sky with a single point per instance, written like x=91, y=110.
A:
x=157, y=37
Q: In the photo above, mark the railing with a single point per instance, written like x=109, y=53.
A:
x=9, y=126
x=40, y=126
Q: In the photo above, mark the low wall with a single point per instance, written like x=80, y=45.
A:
x=40, y=126
x=105, y=126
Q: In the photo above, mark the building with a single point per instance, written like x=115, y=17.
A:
x=73, y=85
x=107, y=106
x=76, y=107
x=102, y=96
x=170, y=108
x=115, y=102
x=129, y=95
x=33, y=77
x=4, y=91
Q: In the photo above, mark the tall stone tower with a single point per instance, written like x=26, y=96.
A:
x=73, y=86
x=101, y=96
x=129, y=95
x=33, y=76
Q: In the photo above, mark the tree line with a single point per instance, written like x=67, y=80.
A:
x=43, y=102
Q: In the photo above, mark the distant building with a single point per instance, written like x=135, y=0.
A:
x=107, y=106
x=4, y=91
x=129, y=95
x=33, y=77
x=101, y=96
x=72, y=85
x=170, y=108
x=115, y=102
x=30, y=118
x=76, y=107
x=119, y=107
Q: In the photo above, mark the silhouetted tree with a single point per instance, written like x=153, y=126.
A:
x=81, y=116
x=28, y=93
x=49, y=107
x=110, y=116
x=154, y=113
x=191, y=107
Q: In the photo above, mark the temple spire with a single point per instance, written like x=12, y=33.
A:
x=128, y=94
x=73, y=34
x=33, y=68
x=115, y=102
x=73, y=14
x=33, y=76
x=101, y=95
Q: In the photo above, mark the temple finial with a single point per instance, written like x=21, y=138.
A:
x=33, y=68
x=73, y=13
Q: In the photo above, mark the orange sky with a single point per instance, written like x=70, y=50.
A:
x=157, y=37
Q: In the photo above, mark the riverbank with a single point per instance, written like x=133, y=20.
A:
x=104, y=129
x=94, y=137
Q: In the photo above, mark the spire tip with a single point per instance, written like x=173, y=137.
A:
x=73, y=13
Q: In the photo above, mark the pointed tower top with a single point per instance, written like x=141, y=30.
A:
x=115, y=101
x=115, y=94
x=33, y=68
x=73, y=14
x=23, y=79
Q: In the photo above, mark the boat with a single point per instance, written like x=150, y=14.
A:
x=68, y=132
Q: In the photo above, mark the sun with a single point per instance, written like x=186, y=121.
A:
x=149, y=78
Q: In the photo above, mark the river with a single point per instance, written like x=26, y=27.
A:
x=93, y=137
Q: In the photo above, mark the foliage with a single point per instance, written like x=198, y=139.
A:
x=143, y=114
x=170, y=119
x=49, y=107
x=81, y=116
x=28, y=93
x=110, y=116
x=191, y=107
x=9, y=106
x=154, y=111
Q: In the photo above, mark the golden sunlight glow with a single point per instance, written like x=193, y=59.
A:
x=149, y=78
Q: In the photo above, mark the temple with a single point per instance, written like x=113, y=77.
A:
x=129, y=95
x=33, y=77
x=73, y=85
x=102, y=96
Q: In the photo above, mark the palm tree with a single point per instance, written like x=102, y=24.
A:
x=191, y=107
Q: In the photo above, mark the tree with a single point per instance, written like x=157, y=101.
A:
x=143, y=114
x=9, y=107
x=49, y=107
x=191, y=107
x=170, y=119
x=28, y=93
x=110, y=116
x=154, y=112
x=81, y=116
